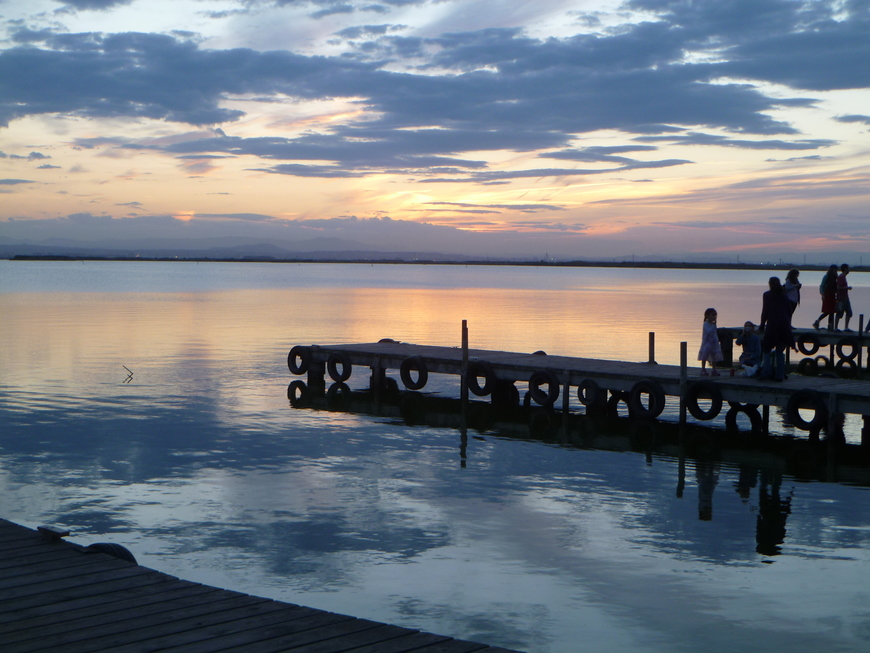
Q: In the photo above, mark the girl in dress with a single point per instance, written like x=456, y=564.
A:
x=710, y=350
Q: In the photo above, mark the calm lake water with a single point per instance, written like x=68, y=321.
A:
x=200, y=465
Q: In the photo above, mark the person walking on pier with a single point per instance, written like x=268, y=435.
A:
x=828, y=290
x=776, y=325
x=793, y=288
x=844, y=306
x=711, y=350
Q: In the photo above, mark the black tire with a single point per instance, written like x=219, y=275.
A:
x=589, y=393
x=656, y=399
x=115, y=550
x=299, y=394
x=750, y=410
x=824, y=363
x=808, y=344
x=540, y=378
x=541, y=422
x=847, y=368
x=616, y=396
x=413, y=408
x=707, y=389
x=808, y=367
x=304, y=356
x=854, y=346
x=414, y=364
x=332, y=364
x=477, y=369
x=806, y=398
x=338, y=396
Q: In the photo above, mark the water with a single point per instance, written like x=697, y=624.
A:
x=200, y=466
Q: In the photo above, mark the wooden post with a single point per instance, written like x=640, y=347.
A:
x=566, y=390
x=684, y=377
x=765, y=420
x=865, y=432
x=861, y=344
x=652, y=347
x=463, y=381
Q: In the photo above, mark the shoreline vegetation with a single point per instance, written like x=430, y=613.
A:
x=402, y=261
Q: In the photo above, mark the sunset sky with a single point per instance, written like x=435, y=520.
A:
x=572, y=129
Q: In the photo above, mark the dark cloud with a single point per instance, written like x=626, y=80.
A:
x=99, y=5
x=47, y=166
x=667, y=80
x=15, y=182
x=524, y=208
x=695, y=138
x=854, y=118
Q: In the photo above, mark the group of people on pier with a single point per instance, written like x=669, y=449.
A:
x=764, y=349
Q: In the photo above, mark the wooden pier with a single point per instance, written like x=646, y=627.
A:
x=811, y=403
x=57, y=596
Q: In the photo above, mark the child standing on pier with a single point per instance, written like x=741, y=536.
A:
x=710, y=350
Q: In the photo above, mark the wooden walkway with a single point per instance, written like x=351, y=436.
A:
x=840, y=395
x=57, y=596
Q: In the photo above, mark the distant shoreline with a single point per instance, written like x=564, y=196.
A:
x=388, y=261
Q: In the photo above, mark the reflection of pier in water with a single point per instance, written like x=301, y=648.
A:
x=762, y=460
x=828, y=460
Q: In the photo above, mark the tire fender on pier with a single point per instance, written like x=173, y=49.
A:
x=810, y=399
x=477, y=369
x=589, y=393
x=414, y=364
x=539, y=378
x=656, y=399
x=750, y=410
x=299, y=359
x=706, y=389
x=808, y=344
x=852, y=344
x=339, y=358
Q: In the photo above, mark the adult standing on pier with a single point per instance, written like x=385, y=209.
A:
x=776, y=325
x=844, y=306
x=793, y=288
x=828, y=290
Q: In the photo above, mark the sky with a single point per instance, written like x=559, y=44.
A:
x=734, y=130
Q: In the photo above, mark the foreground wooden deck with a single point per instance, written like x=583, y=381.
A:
x=57, y=596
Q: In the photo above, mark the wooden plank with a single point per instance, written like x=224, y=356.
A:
x=78, y=565
x=252, y=629
x=286, y=636
x=63, y=576
x=377, y=635
x=73, y=585
x=89, y=612
x=69, y=634
x=51, y=604
x=69, y=627
x=404, y=644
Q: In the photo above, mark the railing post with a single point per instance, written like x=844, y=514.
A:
x=684, y=378
x=652, y=347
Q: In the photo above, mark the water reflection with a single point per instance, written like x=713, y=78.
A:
x=515, y=527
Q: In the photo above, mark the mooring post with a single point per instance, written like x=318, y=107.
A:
x=652, y=347
x=861, y=344
x=463, y=381
x=684, y=378
x=865, y=432
x=566, y=389
x=765, y=420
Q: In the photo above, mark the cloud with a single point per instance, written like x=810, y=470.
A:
x=97, y=5
x=439, y=108
x=15, y=182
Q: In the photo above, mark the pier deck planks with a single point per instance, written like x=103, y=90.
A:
x=55, y=595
